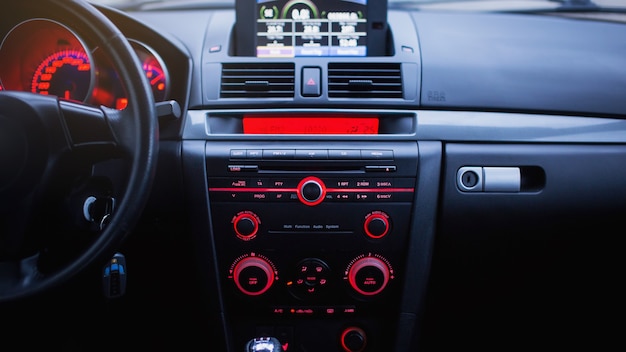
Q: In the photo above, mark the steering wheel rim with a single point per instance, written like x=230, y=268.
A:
x=133, y=133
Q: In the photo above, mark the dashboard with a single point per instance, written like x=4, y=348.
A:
x=364, y=176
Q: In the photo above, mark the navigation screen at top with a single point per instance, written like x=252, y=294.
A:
x=289, y=28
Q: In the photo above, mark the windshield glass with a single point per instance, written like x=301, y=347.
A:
x=469, y=5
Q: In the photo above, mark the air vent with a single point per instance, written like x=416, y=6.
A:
x=366, y=80
x=265, y=80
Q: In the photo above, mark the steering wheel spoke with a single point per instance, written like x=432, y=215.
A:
x=87, y=126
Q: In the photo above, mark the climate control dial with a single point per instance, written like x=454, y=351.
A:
x=253, y=274
x=368, y=275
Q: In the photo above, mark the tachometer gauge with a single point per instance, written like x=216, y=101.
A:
x=154, y=69
x=65, y=74
x=156, y=77
x=108, y=90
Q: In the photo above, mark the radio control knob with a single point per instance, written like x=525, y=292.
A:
x=369, y=276
x=353, y=339
x=311, y=191
x=376, y=225
x=253, y=275
x=246, y=225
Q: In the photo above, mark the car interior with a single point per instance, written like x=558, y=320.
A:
x=312, y=175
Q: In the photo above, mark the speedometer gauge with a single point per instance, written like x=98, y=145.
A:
x=65, y=74
x=45, y=57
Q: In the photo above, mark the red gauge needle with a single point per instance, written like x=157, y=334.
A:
x=156, y=79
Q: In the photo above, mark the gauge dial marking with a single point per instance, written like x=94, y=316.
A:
x=65, y=73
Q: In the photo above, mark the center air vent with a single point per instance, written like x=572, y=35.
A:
x=254, y=80
x=365, y=80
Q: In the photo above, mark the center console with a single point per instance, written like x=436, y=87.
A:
x=311, y=239
x=310, y=210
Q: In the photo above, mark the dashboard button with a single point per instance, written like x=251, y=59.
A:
x=343, y=154
x=311, y=77
x=243, y=168
x=306, y=154
x=254, y=153
x=375, y=154
x=279, y=153
x=380, y=168
x=237, y=153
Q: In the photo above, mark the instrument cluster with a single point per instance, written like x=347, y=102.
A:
x=45, y=57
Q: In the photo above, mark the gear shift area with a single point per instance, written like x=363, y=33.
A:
x=264, y=344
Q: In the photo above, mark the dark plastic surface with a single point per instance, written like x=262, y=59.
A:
x=521, y=62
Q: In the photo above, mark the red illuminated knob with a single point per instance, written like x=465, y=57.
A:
x=353, y=339
x=376, y=225
x=311, y=191
x=246, y=225
x=253, y=275
x=369, y=276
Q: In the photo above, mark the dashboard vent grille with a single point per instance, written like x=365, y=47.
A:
x=265, y=80
x=367, y=80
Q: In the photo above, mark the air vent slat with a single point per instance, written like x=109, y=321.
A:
x=257, y=80
x=366, y=80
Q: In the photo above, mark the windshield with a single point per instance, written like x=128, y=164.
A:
x=469, y=5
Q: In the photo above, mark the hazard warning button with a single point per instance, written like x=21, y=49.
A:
x=311, y=77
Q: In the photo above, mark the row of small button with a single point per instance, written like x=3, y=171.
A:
x=335, y=189
x=314, y=310
x=312, y=154
x=330, y=183
x=222, y=196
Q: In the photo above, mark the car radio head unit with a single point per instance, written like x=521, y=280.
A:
x=315, y=28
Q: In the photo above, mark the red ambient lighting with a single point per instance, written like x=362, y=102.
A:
x=326, y=124
x=64, y=74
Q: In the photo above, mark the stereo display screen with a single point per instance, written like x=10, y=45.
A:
x=311, y=28
x=326, y=124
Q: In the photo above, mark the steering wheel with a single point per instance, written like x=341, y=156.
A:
x=47, y=144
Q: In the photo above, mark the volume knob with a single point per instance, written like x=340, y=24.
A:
x=311, y=191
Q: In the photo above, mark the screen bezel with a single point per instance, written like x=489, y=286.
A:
x=246, y=38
